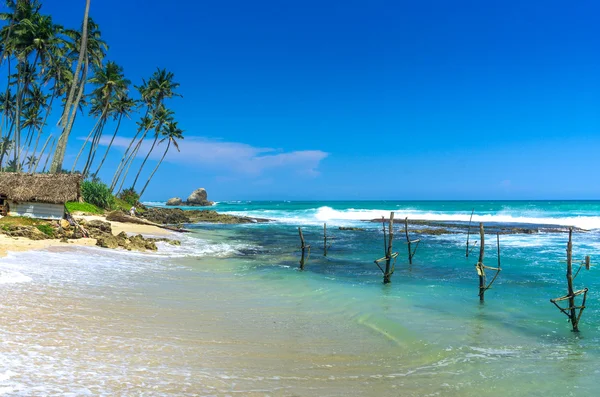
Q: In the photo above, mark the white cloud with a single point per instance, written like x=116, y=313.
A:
x=234, y=156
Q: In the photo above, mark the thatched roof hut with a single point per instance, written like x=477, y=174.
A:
x=42, y=188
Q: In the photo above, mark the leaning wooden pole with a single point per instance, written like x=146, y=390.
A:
x=570, y=292
x=408, y=242
x=469, y=232
x=303, y=246
x=325, y=239
x=480, y=266
x=571, y=310
x=387, y=276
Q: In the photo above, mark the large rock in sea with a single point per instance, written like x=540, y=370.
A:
x=199, y=197
x=174, y=201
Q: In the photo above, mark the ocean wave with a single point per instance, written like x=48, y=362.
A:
x=353, y=215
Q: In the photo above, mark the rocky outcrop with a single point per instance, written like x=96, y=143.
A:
x=102, y=232
x=177, y=216
x=175, y=201
x=199, y=197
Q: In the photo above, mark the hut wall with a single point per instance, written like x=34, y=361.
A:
x=39, y=210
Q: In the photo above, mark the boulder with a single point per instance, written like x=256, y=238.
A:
x=199, y=197
x=177, y=201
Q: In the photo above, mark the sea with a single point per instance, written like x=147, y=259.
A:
x=230, y=313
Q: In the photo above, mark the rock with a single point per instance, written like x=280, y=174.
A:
x=176, y=201
x=351, y=228
x=97, y=225
x=30, y=232
x=107, y=241
x=65, y=224
x=199, y=197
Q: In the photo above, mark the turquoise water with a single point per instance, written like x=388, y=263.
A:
x=516, y=340
x=229, y=312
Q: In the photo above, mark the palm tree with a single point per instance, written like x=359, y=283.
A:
x=163, y=117
x=5, y=147
x=61, y=147
x=171, y=132
x=33, y=34
x=111, y=84
x=144, y=124
x=159, y=87
x=121, y=107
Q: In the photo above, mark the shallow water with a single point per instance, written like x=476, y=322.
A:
x=228, y=313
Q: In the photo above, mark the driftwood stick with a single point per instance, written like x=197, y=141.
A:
x=480, y=268
x=469, y=232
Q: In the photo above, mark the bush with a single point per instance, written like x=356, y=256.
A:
x=97, y=193
x=130, y=196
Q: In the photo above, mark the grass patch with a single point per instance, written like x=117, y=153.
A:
x=46, y=229
x=74, y=206
x=121, y=205
x=19, y=221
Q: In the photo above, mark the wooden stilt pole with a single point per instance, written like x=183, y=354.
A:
x=408, y=241
x=325, y=239
x=469, y=231
x=571, y=310
x=480, y=266
x=387, y=276
x=570, y=292
x=304, y=247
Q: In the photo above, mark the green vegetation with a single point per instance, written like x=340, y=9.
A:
x=53, y=70
x=98, y=194
x=129, y=196
x=46, y=229
x=19, y=221
x=74, y=206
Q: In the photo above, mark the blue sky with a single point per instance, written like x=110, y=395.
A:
x=366, y=99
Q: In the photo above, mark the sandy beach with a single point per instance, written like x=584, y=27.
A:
x=18, y=244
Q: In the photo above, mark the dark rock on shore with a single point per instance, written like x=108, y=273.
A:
x=177, y=216
x=351, y=228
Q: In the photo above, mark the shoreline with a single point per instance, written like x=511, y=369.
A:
x=23, y=244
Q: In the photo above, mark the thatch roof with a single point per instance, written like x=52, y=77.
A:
x=45, y=188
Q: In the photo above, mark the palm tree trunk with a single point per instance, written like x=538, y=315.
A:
x=37, y=162
x=48, y=157
x=146, y=158
x=10, y=130
x=93, y=149
x=39, y=135
x=61, y=147
x=82, y=52
x=110, y=144
x=132, y=156
x=122, y=163
x=85, y=144
x=156, y=168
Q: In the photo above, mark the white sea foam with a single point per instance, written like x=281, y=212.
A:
x=13, y=277
x=353, y=215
